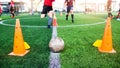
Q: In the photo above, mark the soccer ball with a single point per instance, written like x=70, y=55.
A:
x=56, y=44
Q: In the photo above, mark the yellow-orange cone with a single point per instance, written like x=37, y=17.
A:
x=19, y=48
x=106, y=45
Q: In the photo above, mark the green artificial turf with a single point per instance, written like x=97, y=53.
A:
x=79, y=51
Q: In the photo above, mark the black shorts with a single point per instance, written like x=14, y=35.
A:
x=46, y=9
x=69, y=8
x=11, y=9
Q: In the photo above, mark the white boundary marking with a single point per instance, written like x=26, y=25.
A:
x=2, y=23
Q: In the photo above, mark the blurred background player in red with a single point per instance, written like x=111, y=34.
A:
x=12, y=8
x=118, y=16
x=109, y=10
x=70, y=4
x=0, y=11
x=47, y=10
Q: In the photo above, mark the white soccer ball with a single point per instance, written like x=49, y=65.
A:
x=56, y=44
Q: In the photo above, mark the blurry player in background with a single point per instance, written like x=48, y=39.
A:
x=109, y=2
x=70, y=4
x=0, y=11
x=47, y=10
x=12, y=9
x=118, y=16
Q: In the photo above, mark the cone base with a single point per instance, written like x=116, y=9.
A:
x=12, y=53
x=112, y=51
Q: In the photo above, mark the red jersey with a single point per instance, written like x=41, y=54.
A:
x=0, y=9
x=12, y=3
x=69, y=2
x=48, y=2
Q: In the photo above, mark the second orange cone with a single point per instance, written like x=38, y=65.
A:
x=55, y=21
x=106, y=45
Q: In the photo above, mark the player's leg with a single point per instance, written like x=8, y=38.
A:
x=68, y=10
x=44, y=12
x=118, y=16
x=49, y=10
x=0, y=16
x=13, y=15
x=50, y=15
x=42, y=15
x=12, y=12
x=72, y=14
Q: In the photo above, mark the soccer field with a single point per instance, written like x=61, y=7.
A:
x=79, y=37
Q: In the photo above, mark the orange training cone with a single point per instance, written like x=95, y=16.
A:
x=106, y=45
x=19, y=48
x=55, y=21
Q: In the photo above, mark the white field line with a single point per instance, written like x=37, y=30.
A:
x=2, y=23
